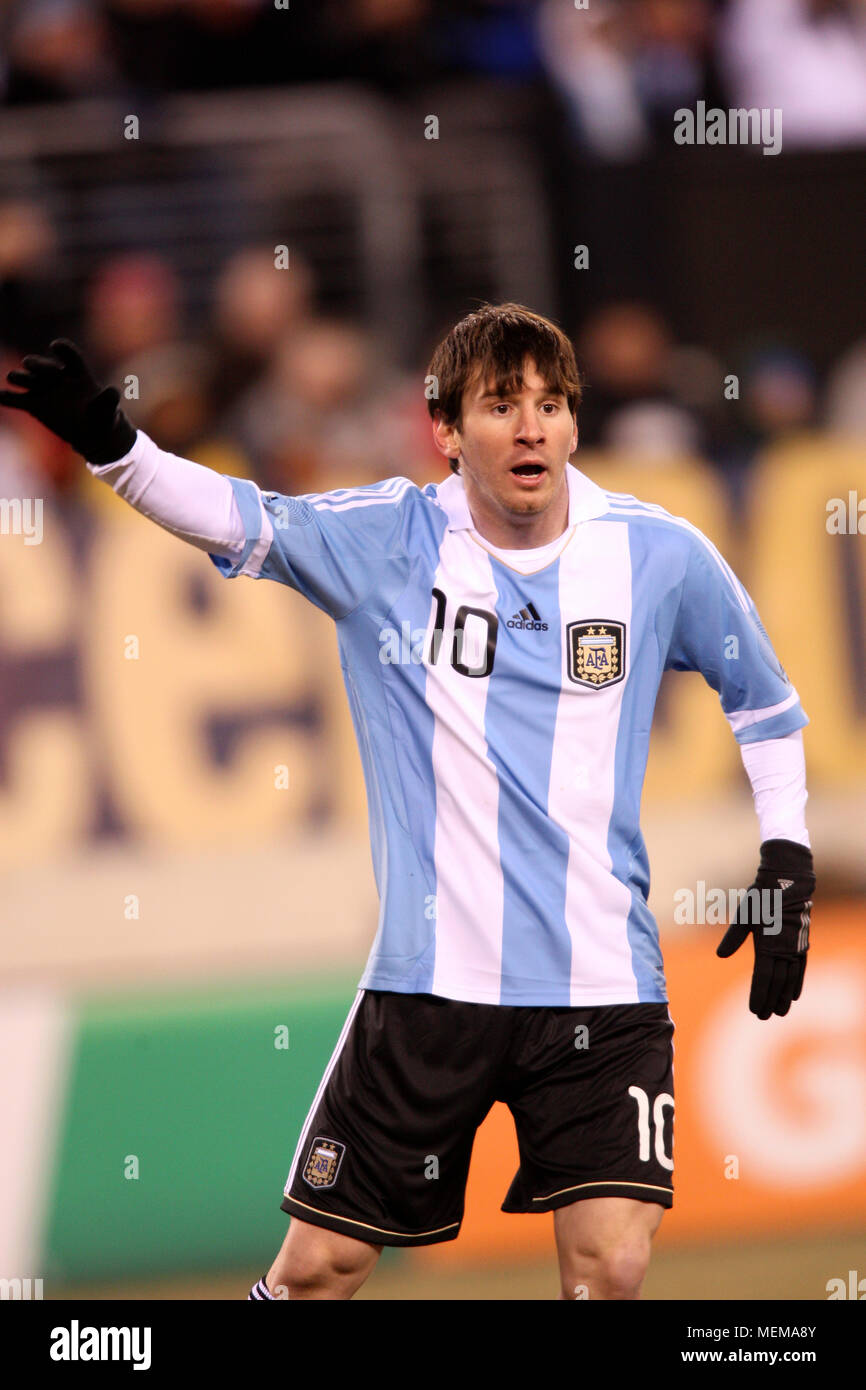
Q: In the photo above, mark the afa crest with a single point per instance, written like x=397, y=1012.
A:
x=596, y=653
x=323, y=1162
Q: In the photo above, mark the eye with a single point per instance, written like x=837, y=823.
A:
x=501, y=405
x=554, y=406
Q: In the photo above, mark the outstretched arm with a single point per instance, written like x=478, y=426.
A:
x=334, y=548
x=193, y=502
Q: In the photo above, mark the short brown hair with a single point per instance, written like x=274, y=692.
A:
x=494, y=342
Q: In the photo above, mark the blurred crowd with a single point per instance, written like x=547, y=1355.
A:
x=266, y=386
x=620, y=68
x=269, y=385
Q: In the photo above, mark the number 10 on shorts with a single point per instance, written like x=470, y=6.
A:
x=658, y=1124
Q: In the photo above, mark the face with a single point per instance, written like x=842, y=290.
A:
x=512, y=448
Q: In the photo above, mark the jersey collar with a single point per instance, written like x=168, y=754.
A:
x=585, y=500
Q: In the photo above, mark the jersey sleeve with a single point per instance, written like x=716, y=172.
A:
x=330, y=546
x=718, y=632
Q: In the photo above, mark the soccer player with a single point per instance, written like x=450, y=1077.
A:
x=502, y=636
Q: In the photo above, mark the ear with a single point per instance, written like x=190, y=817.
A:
x=446, y=437
x=574, y=435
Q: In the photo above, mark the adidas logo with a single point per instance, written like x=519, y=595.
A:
x=528, y=618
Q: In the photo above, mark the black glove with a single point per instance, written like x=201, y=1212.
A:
x=781, y=940
x=62, y=394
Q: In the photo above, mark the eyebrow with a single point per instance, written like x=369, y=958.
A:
x=502, y=395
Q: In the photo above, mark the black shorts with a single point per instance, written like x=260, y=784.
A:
x=384, y=1153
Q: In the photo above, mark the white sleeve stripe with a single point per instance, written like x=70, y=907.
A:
x=253, y=565
x=627, y=498
x=393, y=487
x=339, y=492
x=366, y=501
x=742, y=718
x=259, y=552
x=651, y=509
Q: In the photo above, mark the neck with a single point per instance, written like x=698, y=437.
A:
x=513, y=531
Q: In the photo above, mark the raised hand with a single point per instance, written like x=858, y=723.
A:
x=61, y=392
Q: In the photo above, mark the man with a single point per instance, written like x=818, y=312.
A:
x=504, y=748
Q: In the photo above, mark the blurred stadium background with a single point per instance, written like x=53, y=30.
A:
x=182, y=926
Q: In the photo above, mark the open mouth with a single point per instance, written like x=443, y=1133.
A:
x=528, y=470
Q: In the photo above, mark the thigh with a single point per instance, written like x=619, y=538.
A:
x=384, y=1155
x=593, y=1120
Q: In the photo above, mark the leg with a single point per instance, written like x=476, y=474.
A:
x=316, y=1263
x=603, y=1245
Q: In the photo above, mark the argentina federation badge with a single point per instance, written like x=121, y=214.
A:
x=323, y=1162
x=596, y=652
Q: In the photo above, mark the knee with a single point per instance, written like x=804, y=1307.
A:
x=335, y=1258
x=624, y=1267
x=315, y=1259
x=611, y=1271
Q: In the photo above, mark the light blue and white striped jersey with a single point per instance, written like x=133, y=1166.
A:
x=504, y=717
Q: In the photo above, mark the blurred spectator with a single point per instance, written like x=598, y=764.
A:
x=623, y=67
x=778, y=398
x=779, y=393
x=653, y=430
x=407, y=432
x=256, y=307
x=330, y=413
x=845, y=411
x=697, y=378
x=586, y=53
x=172, y=405
x=673, y=61
x=29, y=316
x=497, y=38
x=58, y=49
x=807, y=57
x=626, y=354
x=132, y=303
x=32, y=460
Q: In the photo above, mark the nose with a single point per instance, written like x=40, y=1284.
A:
x=529, y=427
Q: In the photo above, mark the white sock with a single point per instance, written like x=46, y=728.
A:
x=261, y=1291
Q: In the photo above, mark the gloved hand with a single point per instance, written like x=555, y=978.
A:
x=781, y=939
x=61, y=393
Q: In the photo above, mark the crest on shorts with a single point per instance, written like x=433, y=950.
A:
x=596, y=652
x=323, y=1162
